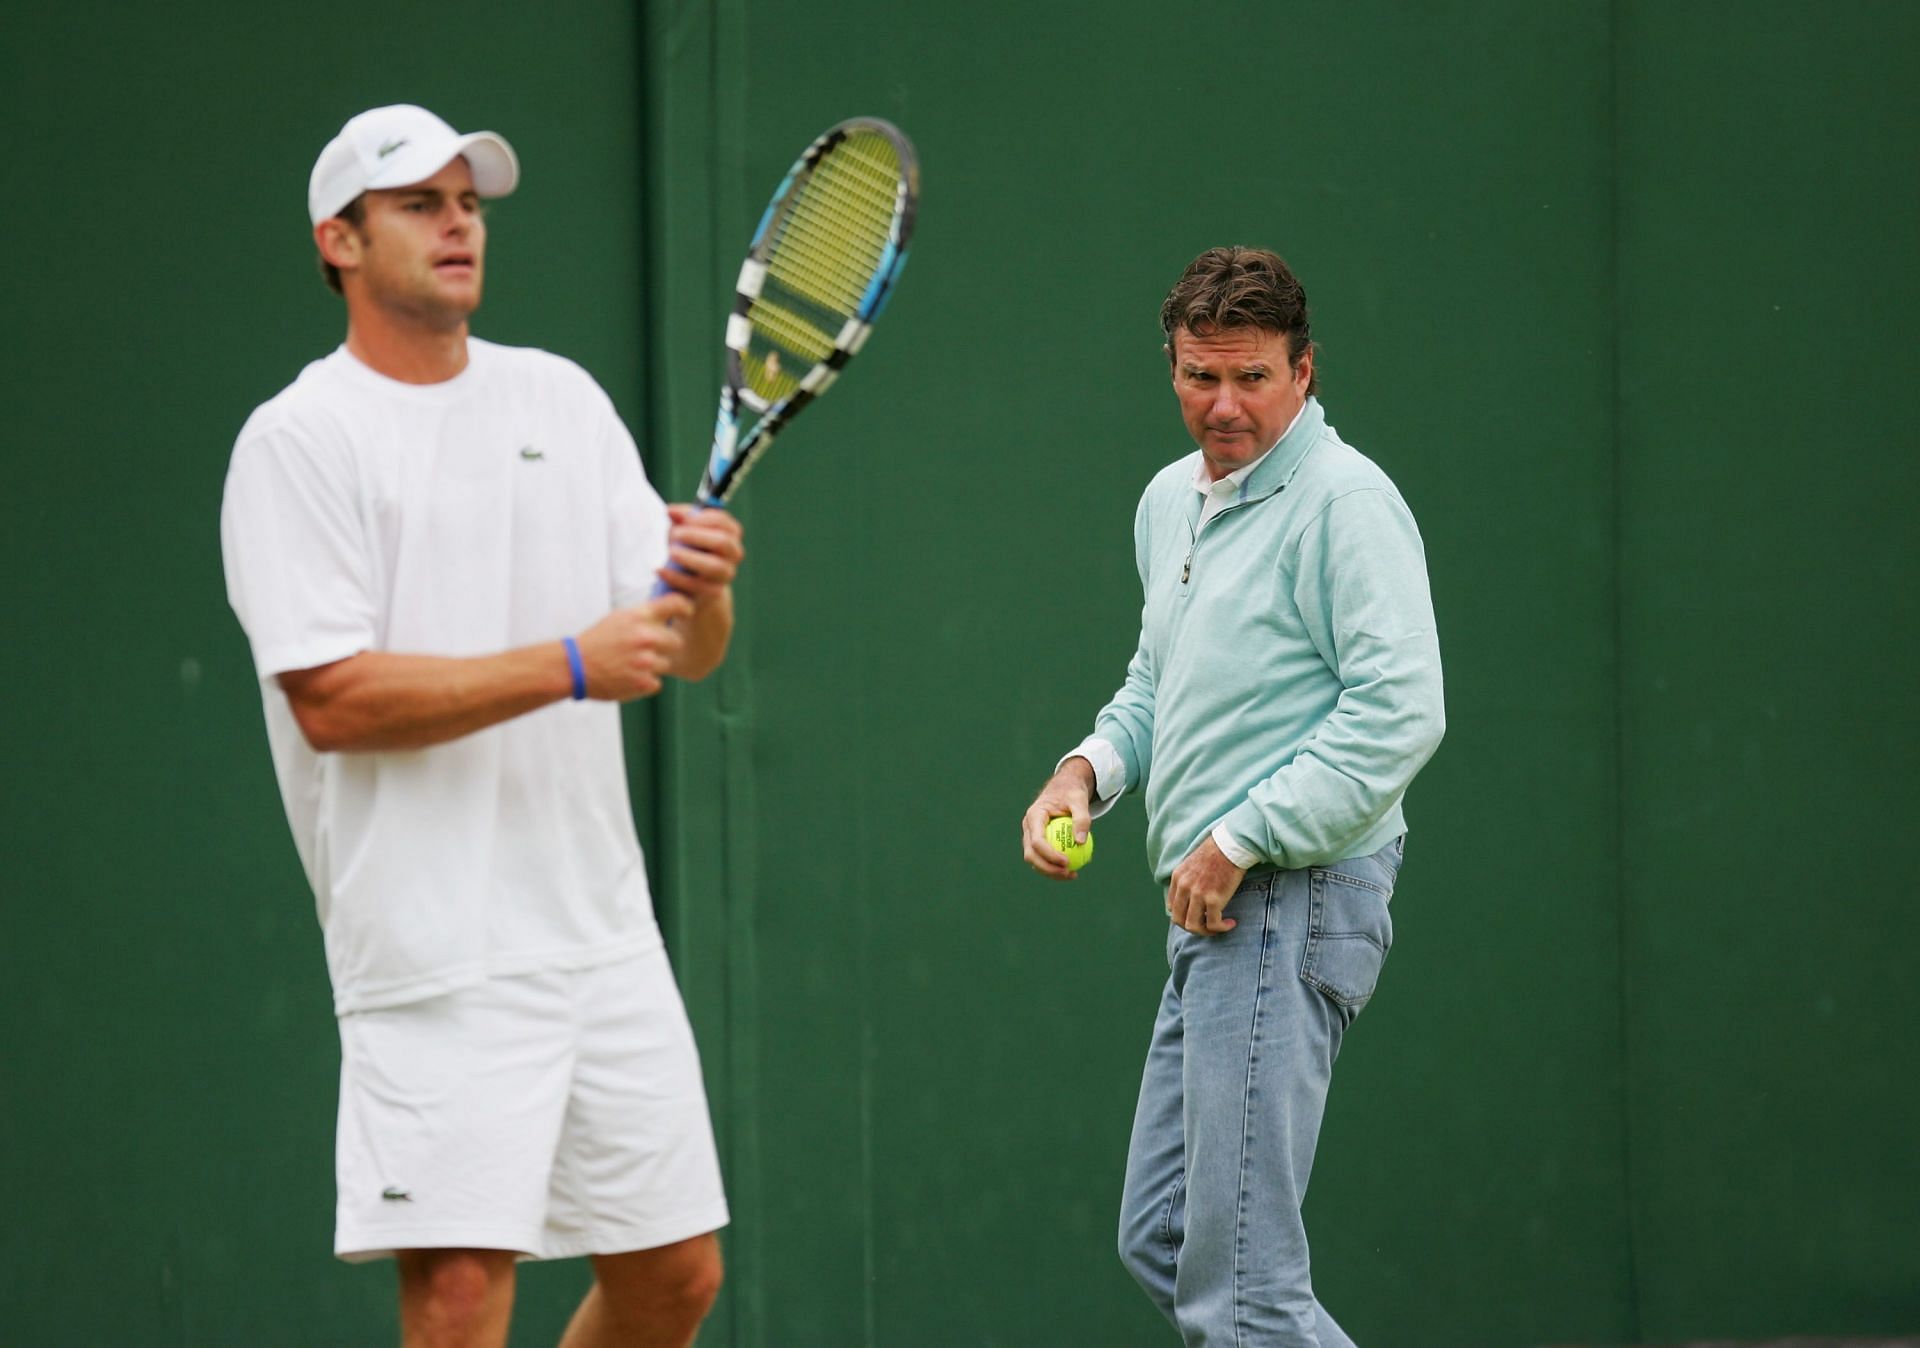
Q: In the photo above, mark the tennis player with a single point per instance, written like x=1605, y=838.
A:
x=442, y=550
x=1285, y=691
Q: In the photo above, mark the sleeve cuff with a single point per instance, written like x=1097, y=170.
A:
x=1234, y=850
x=269, y=662
x=1109, y=771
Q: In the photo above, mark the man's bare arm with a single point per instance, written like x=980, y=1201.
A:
x=384, y=700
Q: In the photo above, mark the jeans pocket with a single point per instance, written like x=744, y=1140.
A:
x=1349, y=932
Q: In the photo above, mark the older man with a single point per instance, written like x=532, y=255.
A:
x=1285, y=690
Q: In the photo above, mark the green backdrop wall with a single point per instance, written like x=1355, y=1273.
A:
x=1617, y=292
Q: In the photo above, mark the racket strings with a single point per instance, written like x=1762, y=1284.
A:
x=835, y=236
x=784, y=346
x=837, y=216
x=854, y=192
x=831, y=256
x=829, y=243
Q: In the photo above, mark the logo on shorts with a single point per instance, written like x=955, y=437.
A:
x=394, y=1194
x=532, y=455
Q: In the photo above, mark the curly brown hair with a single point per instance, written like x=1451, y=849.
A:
x=1240, y=288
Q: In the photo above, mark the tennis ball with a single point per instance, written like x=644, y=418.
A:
x=1060, y=834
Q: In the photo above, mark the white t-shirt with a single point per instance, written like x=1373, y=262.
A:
x=501, y=508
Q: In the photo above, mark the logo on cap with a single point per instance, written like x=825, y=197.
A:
x=391, y=146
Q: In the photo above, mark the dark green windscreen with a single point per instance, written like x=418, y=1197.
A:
x=1769, y=627
x=1616, y=292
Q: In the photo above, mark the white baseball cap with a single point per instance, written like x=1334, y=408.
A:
x=398, y=146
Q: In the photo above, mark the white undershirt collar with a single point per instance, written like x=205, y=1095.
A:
x=1225, y=491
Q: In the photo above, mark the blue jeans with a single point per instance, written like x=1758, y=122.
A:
x=1231, y=1101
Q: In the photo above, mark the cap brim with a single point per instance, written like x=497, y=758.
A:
x=496, y=171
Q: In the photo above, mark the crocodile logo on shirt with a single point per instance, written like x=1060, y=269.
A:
x=532, y=455
x=393, y=1194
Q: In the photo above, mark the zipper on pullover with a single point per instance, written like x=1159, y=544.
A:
x=1193, y=534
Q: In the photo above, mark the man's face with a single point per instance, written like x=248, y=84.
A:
x=422, y=250
x=1237, y=393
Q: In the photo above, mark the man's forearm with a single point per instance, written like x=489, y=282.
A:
x=379, y=700
x=1078, y=769
x=709, y=632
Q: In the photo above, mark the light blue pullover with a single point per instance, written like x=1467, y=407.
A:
x=1287, y=682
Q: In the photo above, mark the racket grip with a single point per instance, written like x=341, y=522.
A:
x=660, y=587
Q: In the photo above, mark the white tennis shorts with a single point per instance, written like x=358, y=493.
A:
x=555, y=1114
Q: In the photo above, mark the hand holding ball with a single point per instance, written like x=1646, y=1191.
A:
x=1060, y=835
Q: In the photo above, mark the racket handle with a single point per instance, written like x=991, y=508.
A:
x=660, y=587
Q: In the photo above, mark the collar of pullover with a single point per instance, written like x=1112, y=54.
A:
x=1282, y=461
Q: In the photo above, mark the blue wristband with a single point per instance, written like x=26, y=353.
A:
x=578, y=667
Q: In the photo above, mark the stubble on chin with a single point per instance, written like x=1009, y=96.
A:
x=439, y=310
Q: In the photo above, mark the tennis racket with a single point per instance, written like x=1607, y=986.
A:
x=819, y=270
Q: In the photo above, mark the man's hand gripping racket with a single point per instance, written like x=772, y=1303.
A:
x=817, y=274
